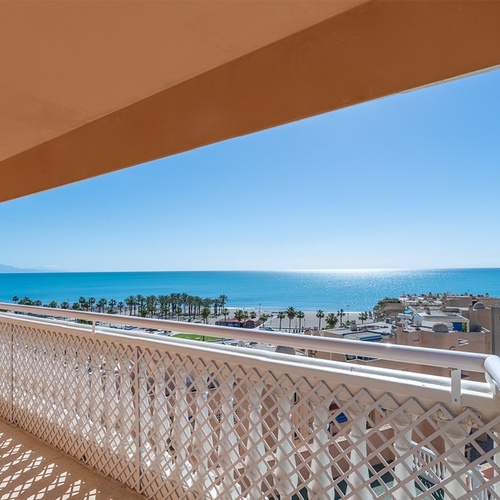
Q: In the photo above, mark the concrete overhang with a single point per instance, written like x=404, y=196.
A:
x=87, y=88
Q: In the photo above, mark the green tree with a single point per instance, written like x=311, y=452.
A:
x=320, y=315
x=83, y=303
x=239, y=314
x=15, y=299
x=225, y=312
x=101, y=305
x=331, y=320
x=53, y=304
x=281, y=316
x=120, y=306
x=131, y=303
x=205, y=313
x=64, y=305
x=222, y=300
x=112, y=305
x=290, y=313
x=300, y=316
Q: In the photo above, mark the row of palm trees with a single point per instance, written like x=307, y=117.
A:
x=331, y=319
x=161, y=306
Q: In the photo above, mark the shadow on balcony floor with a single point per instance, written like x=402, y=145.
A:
x=32, y=470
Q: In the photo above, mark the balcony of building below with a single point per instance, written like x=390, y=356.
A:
x=172, y=418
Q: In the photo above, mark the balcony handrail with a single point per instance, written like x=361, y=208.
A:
x=477, y=362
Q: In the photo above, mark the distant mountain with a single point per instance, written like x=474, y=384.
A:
x=11, y=269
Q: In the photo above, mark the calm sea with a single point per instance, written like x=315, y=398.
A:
x=274, y=290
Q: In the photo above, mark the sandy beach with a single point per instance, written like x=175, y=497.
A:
x=309, y=321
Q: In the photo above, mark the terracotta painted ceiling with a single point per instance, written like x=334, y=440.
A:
x=88, y=87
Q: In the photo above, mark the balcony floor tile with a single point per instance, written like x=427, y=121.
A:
x=33, y=470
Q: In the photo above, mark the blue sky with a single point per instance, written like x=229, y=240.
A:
x=408, y=181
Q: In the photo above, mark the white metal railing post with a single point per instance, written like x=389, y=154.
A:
x=358, y=478
x=402, y=426
x=456, y=386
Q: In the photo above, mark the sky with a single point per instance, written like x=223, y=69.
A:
x=407, y=181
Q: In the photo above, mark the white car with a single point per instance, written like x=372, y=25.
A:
x=267, y=328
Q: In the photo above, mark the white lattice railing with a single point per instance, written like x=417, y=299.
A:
x=181, y=419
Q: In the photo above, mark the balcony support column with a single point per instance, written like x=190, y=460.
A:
x=181, y=429
x=285, y=465
x=402, y=446
x=359, y=477
x=255, y=464
x=321, y=485
x=228, y=447
x=496, y=461
x=202, y=435
x=454, y=461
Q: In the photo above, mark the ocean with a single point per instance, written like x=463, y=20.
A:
x=354, y=290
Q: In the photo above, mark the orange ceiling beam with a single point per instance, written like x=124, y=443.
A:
x=374, y=50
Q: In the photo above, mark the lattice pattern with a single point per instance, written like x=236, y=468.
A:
x=178, y=426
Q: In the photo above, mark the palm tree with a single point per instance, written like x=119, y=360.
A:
x=225, y=312
x=101, y=304
x=131, y=303
x=15, y=299
x=320, y=314
x=341, y=314
x=120, y=306
x=239, y=315
x=332, y=320
x=264, y=318
x=281, y=316
x=222, y=301
x=290, y=313
x=216, y=303
x=84, y=305
x=91, y=303
x=140, y=302
x=53, y=304
x=112, y=305
x=64, y=305
x=363, y=316
x=300, y=315
x=205, y=313
x=151, y=305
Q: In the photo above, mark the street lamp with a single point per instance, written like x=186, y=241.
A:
x=347, y=311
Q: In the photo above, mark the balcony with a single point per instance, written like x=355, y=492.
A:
x=172, y=418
